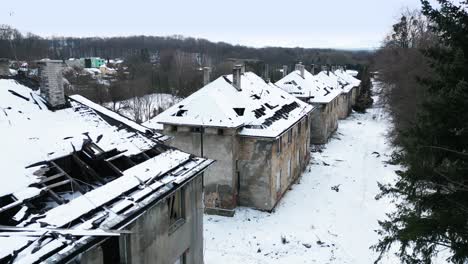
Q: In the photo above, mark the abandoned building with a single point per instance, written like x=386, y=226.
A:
x=349, y=89
x=325, y=99
x=349, y=82
x=258, y=135
x=85, y=185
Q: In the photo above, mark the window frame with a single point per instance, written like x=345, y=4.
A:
x=176, y=198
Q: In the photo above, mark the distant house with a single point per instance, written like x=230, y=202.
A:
x=93, y=62
x=82, y=184
x=258, y=135
x=323, y=96
x=349, y=82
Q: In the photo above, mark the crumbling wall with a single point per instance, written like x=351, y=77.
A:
x=221, y=177
x=324, y=122
x=254, y=168
x=344, y=106
x=289, y=163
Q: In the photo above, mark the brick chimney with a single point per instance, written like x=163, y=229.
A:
x=236, y=77
x=50, y=72
x=4, y=67
x=300, y=68
x=285, y=70
x=206, y=75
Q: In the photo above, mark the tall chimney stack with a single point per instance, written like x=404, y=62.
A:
x=206, y=75
x=313, y=69
x=285, y=70
x=236, y=77
x=267, y=73
x=50, y=72
x=4, y=67
x=300, y=68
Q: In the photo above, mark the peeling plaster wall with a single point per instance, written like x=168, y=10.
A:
x=290, y=162
x=221, y=177
x=255, y=168
x=324, y=121
x=344, y=105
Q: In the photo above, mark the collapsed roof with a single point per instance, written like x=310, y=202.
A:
x=69, y=175
x=257, y=109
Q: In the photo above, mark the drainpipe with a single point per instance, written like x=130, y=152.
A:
x=202, y=130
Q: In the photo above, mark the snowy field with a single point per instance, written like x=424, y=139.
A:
x=329, y=216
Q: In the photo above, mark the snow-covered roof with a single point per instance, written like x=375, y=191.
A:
x=258, y=109
x=352, y=72
x=339, y=79
x=347, y=77
x=84, y=154
x=310, y=87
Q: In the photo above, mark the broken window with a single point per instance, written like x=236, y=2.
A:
x=111, y=250
x=195, y=129
x=176, y=210
x=220, y=132
x=182, y=259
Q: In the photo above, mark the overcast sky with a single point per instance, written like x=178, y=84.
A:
x=304, y=23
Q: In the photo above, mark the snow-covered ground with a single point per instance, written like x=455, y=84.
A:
x=144, y=107
x=329, y=216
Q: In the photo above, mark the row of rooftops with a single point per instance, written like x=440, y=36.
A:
x=246, y=102
x=317, y=89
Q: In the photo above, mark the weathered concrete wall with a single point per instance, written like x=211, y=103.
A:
x=221, y=177
x=324, y=122
x=150, y=240
x=289, y=163
x=344, y=105
x=354, y=94
x=254, y=168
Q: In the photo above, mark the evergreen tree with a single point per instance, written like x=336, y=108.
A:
x=432, y=191
x=364, y=99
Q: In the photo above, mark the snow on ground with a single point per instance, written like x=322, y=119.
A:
x=145, y=106
x=329, y=216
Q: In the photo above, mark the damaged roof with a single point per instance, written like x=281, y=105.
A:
x=71, y=175
x=311, y=88
x=258, y=109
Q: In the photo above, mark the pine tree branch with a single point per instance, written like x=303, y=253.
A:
x=446, y=149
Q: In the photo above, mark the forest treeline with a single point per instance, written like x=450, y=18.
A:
x=165, y=64
x=14, y=44
x=423, y=66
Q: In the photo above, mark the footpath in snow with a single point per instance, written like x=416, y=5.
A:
x=329, y=216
